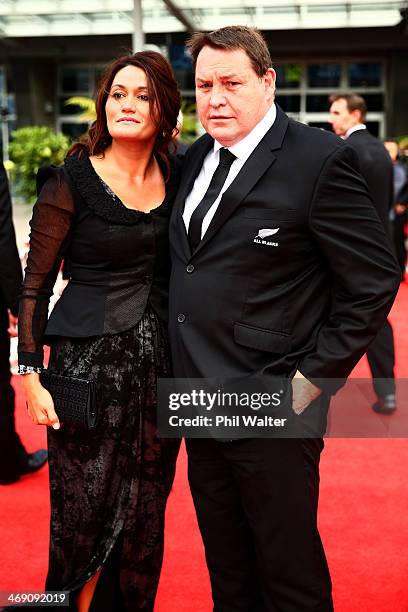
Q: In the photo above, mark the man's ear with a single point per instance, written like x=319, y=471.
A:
x=270, y=80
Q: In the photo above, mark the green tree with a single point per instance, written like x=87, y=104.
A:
x=31, y=148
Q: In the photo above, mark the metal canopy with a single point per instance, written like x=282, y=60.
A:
x=22, y=18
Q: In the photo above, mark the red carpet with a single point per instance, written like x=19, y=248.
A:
x=363, y=519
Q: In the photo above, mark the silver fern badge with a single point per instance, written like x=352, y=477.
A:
x=264, y=233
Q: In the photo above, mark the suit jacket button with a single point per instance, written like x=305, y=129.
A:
x=190, y=268
x=181, y=318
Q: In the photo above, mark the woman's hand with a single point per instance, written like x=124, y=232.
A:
x=39, y=402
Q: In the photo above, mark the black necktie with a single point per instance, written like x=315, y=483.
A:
x=212, y=193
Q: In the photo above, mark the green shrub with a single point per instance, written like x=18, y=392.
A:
x=31, y=148
x=189, y=129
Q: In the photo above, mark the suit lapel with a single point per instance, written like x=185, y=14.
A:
x=254, y=168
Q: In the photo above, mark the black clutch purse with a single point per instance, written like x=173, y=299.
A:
x=74, y=398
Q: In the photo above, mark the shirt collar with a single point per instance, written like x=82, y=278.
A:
x=243, y=149
x=355, y=128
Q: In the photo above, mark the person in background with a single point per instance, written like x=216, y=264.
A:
x=15, y=461
x=347, y=117
x=399, y=211
x=107, y=209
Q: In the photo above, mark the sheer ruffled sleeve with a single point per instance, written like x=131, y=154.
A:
x=50, y=228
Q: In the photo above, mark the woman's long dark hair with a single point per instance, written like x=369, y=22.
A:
x=164, y=102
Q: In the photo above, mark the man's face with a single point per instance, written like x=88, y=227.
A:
x=341, y=118
x=231, y=97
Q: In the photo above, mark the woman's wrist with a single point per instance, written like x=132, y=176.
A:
x=31, y=384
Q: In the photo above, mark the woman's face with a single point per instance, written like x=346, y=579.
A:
x=127, y=107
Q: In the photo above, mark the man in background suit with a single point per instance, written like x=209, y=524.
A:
x=400, y=203
x=14, y=459
x=347, y=117
x=302, y=300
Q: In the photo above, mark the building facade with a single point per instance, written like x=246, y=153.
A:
x=321, y=48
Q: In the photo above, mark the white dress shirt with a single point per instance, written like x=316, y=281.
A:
x=355, y=128
x=242, y=150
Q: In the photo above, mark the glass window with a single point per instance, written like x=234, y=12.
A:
x=317, y=103
x=180, y=58
x=289, y=103
x=74, y=130
x=365, y=75
x=11, y=104
x=185, y=79
x=373, y=127
x=288, y=76
x=69, y=109
x=98, y=73
x=75, y=80
x=324, y=75
x=375, y=102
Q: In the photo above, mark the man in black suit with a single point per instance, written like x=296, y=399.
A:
x=347, y=117
x=280, y=268
x=400, y=203
x=14, y=459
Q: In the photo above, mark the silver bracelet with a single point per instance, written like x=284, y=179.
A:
x=23, y=369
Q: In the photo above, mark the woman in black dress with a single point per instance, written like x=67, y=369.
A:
x=106, y=211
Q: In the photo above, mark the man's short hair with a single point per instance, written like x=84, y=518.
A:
x=231, y=38
x=353, y=101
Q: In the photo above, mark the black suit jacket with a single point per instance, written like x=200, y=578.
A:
x=310, y=296
x=10, y=267
x=376, y=168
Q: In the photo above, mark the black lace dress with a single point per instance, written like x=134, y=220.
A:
x=109, y=486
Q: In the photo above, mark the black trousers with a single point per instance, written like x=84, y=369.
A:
x=12, y=452
x=256, y=503
x=381, y=359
